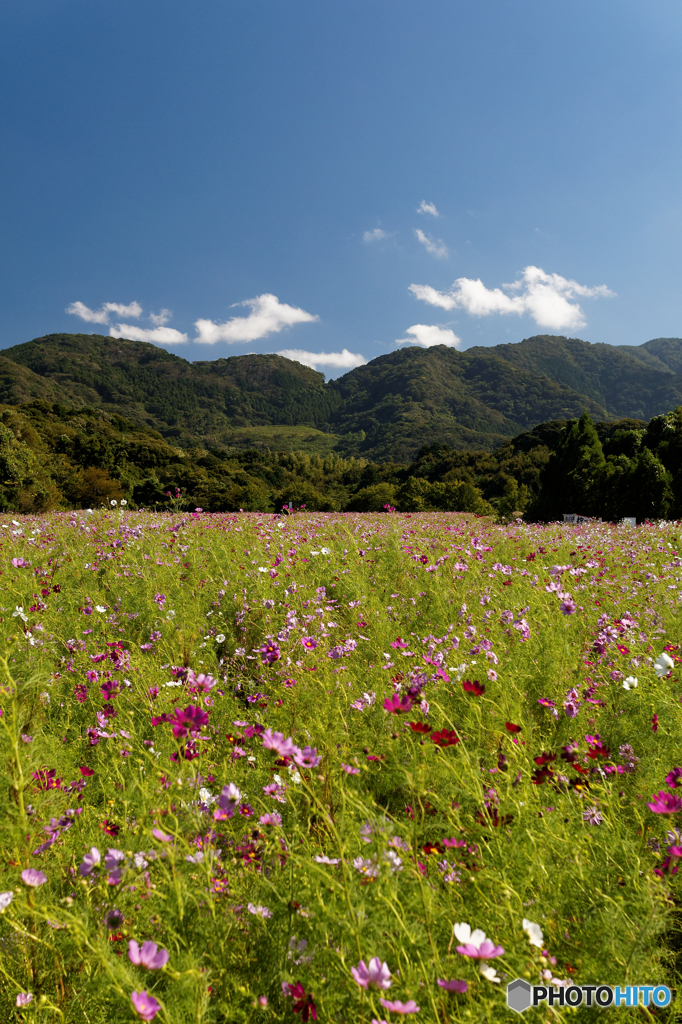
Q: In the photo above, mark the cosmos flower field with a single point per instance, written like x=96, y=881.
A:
x=344, y=768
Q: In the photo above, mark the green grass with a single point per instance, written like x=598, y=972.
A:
x=519, y=840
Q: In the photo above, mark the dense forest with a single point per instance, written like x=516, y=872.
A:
x=53, y=456
x=385, y=411
x=548, y=426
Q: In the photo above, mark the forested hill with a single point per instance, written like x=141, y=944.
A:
x=386, y=410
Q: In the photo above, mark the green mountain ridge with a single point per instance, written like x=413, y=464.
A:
x=386, y=410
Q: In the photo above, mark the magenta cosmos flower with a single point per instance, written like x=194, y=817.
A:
x=377, y=974
x=309, y=642
x=276, y=741
x=307, y=757
x=454, y=985
x=395, y=704
x=191, y=720
x=33, y=877
x=145, y=1006
x=397, y=1007
x=148, y=955
x=269, y=653
x=661, y=803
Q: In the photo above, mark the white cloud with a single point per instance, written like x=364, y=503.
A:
x=341, y=360
x=545, y=297
x=268, y=316
x=160, y=318
x=425, y=207
x=160, y=335
x=435, y=248
x=374, y=236
x=101, y=316
x=427, y=336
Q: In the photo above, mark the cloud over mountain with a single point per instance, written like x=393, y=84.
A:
x=547, y=298
x=157, y=335
x=340, y=360
x=427, y=336
x=103, y=314
x=268, y=316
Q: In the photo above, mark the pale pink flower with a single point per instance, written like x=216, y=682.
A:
x=145, y=1006
x=377, y=974
x=397, y=1007
x=148, y=955
x=276, y=741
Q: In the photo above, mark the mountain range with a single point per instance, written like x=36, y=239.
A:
x=385, y=410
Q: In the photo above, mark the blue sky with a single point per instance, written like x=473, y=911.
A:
x=326, y=177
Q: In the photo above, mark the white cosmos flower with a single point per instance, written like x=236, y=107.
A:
x=663, y=664
x=100, y=608
x=465, y=935
x=113, y=501
x=262, y=568
x=206, y=796
x=314, y=552
x=534, y=932
x=325, y=551
x=5, y=900
x=630, y=683
x=489, y=972
x=220, y=639
x=123, y=501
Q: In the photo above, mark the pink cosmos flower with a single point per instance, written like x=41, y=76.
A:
x=33, y=877
x=145, y=1006
x=148, y=955
x=24, y=999
x=90, y=861
x=662, y=803
x=377, y=974
x=453, y=986
x=276, y=791
x=350, y=770
x=397, y=1007
x=475, y=944
x=395, y=704
x=275, y=741
x=163, y=837
x=229, y=797
x=309, y=642
x=271, y=818
x=307, y=757
x=202, y=683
